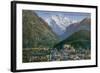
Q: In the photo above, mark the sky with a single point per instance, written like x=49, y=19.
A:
x=59, y=21
x=73, y=16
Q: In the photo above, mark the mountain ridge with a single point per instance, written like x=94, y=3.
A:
x=77, y=32
x=82, y=25
x=36, y=31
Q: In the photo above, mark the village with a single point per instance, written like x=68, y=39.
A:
x=64, y=54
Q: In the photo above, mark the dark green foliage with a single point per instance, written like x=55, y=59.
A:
x=80, y=39
x=36, y=32
x=41, y=44
x=27, y=55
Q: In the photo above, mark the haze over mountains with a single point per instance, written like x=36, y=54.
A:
x=37, y=32
x=82, y=25
x=59, y=23
x=77, y=34
x=64, y=27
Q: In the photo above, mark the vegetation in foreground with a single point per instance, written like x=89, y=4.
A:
x=65, y=54
x=37, y=33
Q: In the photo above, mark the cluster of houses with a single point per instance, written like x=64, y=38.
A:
x=63, y=54
x=69, y=53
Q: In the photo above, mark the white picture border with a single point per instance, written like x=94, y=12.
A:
x=20, y=65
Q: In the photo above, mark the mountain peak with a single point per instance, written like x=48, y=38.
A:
x=82, y=25
x=86, y=21
x=59, y=23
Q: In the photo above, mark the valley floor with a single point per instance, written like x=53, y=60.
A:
x=45, y=54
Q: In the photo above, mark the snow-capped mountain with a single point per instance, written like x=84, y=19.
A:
x=61, y=21
x=58, y=23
